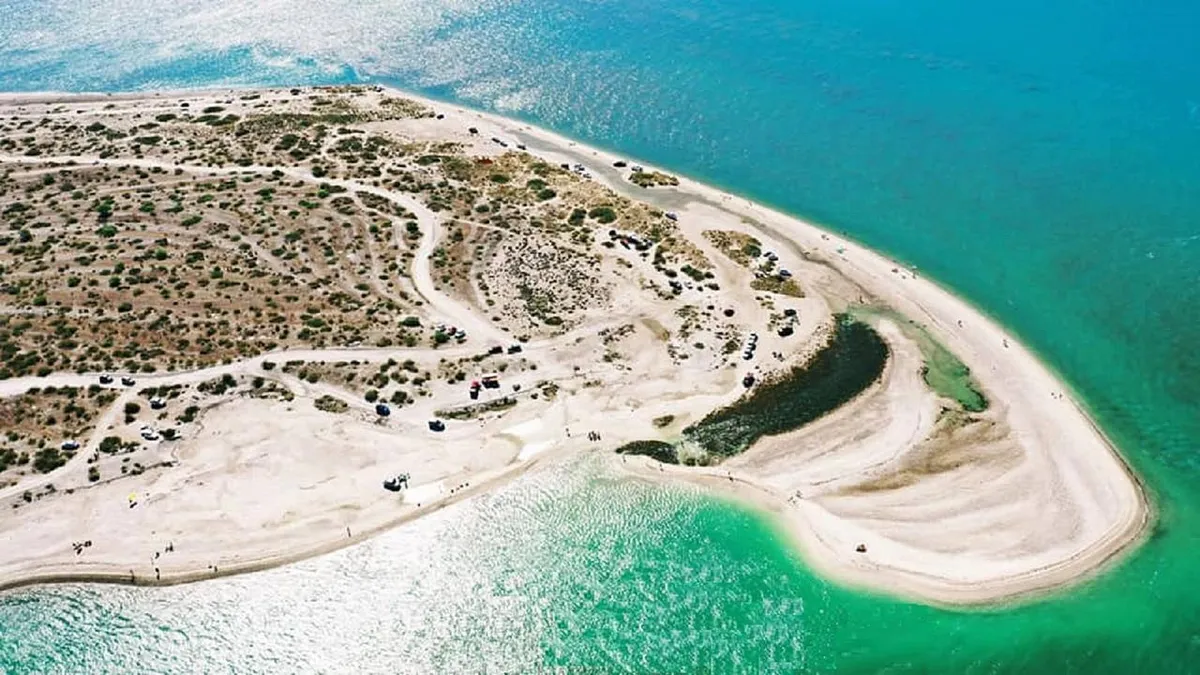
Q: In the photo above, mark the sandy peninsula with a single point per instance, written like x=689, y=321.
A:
x=255, y=273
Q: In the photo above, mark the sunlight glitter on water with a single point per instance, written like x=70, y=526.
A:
x=1035, y=181
x=555, y=568
x=136, y=37
x=426, y=596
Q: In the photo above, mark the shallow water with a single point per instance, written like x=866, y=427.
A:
x=944, y=372
x=565, y=568
x=1041, y=158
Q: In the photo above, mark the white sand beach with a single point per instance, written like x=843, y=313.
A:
x=1027, y=497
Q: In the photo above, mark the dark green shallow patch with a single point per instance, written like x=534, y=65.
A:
x=852, y=361
x=663, y=452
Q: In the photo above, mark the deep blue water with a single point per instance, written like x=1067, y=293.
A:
x=1040, y=158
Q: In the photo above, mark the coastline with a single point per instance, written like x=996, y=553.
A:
x=804, y=542
x=192, y=570
x=1140, y=519
x=913, y=295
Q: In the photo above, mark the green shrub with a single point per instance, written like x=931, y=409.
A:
x=48, y=459
x=331, y=404
x=604, y=214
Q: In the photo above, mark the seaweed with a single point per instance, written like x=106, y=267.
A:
x=851, y=362
x=663, y=452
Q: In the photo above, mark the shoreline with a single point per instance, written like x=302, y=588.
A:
x=930, y=303
x=110, y=573
x=1138, y=525
x=45, y=97
x=791, y=533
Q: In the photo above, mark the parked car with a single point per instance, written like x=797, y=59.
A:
x=396, y=483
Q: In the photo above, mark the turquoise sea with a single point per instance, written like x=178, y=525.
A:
x=1040, y=158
